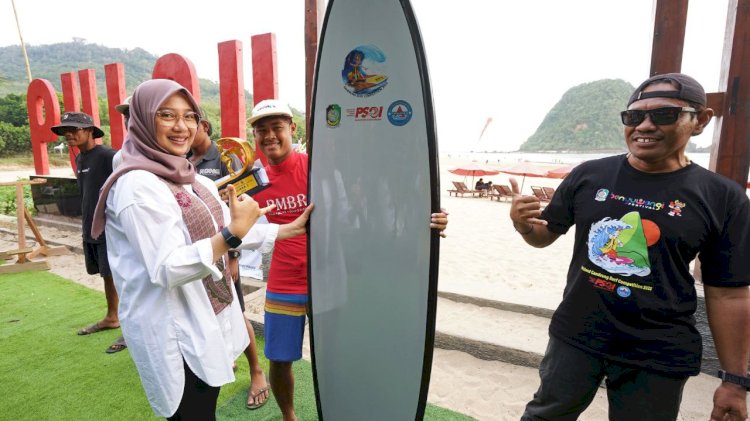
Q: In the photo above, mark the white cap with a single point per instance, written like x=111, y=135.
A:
x=269, y=107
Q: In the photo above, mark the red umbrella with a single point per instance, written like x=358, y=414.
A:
x=472, y=170
x=561, y=172
x=524, y=169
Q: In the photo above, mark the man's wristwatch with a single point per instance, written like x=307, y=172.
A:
x=733, y=378
x=230, y=239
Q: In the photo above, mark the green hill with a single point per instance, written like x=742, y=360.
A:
x=587, y=118
x=49, y=61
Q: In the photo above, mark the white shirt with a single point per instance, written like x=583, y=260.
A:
x=252, y=260
x=164, y=310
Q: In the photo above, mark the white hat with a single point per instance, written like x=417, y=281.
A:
x=124, y=107
x=269, y=107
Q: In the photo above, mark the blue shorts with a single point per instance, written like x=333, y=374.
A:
x=284, y=326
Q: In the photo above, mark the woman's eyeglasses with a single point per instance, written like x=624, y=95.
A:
x=659, y=116
x=169, y=118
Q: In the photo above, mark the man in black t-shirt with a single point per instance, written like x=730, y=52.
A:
x=205, y=156
x=94, y=165
x=627, y=312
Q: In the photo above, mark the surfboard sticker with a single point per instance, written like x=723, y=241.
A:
x=373, y=260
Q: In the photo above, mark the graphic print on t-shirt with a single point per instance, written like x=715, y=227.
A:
x=621, y=245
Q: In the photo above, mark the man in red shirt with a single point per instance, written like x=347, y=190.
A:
x=286, y=295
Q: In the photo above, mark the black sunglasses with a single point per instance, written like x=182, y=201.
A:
x=659, y=116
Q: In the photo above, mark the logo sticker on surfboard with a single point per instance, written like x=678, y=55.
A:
x=333, y=115
x=399, y=113
x=364, y=71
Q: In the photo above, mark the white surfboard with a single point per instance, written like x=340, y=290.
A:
x=373, y=260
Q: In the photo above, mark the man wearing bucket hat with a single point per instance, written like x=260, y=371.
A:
x=627, y=313
x=94, y=165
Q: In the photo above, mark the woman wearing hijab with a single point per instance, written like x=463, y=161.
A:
x=168, y=234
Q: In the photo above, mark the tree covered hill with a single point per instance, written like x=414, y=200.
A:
x=49, y=61
x=587, y=118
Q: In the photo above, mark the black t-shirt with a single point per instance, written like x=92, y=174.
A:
x=210, y=164
x=94, y=167
x=630, y=296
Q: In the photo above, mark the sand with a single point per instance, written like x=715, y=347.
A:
x=483, y=257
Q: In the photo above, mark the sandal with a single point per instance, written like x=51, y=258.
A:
x=251, y=398
x=117, y=346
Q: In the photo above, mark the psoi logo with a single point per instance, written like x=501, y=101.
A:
x=365, y=113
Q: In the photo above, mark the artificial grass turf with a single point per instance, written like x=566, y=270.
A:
x=47, y=372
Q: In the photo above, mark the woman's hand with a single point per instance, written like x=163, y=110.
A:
x=244, y=212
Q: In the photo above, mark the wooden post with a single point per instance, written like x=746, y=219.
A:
x=25, y=254
x=669, y=36
x=730, y=150
x=19, y=221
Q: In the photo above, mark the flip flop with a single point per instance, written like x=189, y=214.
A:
x=117, y=346
x=252, y=397
x=94, y=328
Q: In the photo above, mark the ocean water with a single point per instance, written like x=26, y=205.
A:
x=549, y=158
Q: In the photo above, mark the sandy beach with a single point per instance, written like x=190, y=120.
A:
x=481, y=257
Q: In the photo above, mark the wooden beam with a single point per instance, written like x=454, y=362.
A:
x=669, y=36
x=730, y=150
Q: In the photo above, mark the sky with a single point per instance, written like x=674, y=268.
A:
x=508, y=61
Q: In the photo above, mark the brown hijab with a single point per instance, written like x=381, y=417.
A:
x=140, y=150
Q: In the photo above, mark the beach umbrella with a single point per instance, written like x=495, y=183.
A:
x=524, y=169
x=472, y=170
x=561, y=172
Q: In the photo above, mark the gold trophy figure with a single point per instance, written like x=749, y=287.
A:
x=248, y=179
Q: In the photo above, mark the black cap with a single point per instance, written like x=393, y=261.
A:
x=81, y=120
x=688, y=89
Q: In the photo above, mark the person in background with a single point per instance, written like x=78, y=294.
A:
x=94, y=165
x=168, y=233
x=204, y=155
x=286, y=294
x=627, y=313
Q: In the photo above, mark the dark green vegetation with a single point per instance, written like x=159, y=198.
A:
x=47, y=372
x=587, y=118
x=50, y=61
x=8, y=200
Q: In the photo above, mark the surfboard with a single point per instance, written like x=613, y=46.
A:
x=373, y=176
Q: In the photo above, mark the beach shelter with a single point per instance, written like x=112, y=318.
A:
x=525, y=169
x=473, y=170
x=561, y=172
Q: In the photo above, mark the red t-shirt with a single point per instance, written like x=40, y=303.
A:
x=288, y=191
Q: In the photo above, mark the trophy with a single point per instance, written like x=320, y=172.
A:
x=248, y=178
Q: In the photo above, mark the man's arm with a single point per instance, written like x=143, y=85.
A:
x=525, y=212
x=728, y=311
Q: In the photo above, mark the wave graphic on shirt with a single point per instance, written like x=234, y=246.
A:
x=621, y=245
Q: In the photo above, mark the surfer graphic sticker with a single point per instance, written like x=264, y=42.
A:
x=363, y=72
x=621, y=245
